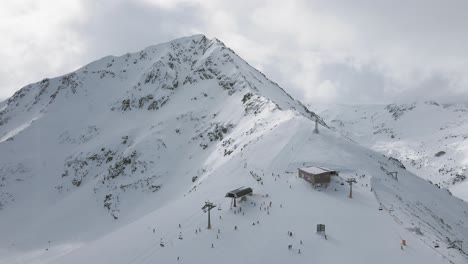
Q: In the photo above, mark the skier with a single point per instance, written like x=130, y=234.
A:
x=299, y=251
x=235, y=227
x=212, y=245
x=154, y=230
x=180, y=226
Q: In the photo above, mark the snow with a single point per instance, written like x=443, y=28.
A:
x=314, y=170
x=99, y=171
x=414, y=134
x=17, y=130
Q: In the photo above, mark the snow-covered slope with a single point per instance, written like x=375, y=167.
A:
x=100, y=165
x=431, y=139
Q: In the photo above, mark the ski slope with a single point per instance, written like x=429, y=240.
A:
x=355, y=228
x=139, y=142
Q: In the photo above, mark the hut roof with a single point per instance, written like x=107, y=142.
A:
x=315, y=170
x=239, y=192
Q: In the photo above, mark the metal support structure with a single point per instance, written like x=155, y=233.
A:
x=456, y=244
x=316, y=126
x=208, y=206
x=350, y=181
x=394, y=175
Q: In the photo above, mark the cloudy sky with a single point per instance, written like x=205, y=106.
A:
x=318, y=50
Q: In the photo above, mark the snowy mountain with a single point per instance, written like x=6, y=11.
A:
x=431, y=139
x=110, y=162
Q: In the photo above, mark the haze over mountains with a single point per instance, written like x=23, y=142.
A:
x=108, y=162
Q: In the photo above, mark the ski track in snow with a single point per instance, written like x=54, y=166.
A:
x=17, y=130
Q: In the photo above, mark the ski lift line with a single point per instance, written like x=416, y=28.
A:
x=434, y=233
x=168, y=234
x=381, y=204
x=142, y=253
x=424, y=241
x=171, y=235
x=155, y=246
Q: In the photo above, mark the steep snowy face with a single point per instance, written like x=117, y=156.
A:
x=123, y=129
x=431, y=139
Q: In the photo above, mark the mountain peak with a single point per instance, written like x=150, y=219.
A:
x=148, y=79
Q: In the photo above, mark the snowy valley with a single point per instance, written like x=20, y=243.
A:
x=430, y=138
x=112, y=163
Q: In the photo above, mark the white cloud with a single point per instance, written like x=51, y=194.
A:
x=346, y=51
x=36, y=41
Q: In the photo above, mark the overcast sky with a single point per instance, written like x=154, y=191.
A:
x=322, y=50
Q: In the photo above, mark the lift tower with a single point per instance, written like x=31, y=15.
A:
x=350, y=181
x=207, y=208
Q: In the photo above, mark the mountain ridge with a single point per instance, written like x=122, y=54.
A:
x=428, y=137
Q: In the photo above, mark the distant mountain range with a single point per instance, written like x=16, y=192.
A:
x=430, y=138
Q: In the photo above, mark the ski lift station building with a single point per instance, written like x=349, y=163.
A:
x=316, y=175
x=239, y=193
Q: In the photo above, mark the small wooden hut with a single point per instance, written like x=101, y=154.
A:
x=316, y=175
